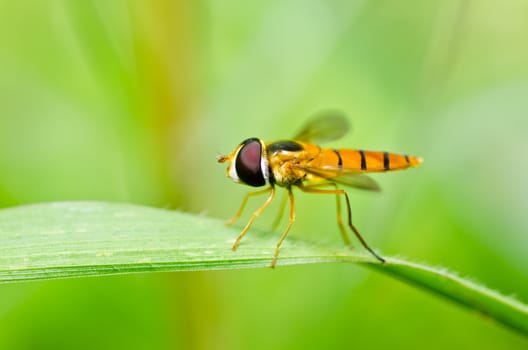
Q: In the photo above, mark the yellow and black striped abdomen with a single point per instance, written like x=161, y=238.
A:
x=368, y=161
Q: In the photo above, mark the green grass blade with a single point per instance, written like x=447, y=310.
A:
x=463, y=291
x=72, y=239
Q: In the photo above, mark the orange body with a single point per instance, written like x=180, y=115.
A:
x=312, y=163
x=364, y=161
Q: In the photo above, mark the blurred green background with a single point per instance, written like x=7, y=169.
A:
x=131, y=101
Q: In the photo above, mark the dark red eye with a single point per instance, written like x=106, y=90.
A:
x=248, y=165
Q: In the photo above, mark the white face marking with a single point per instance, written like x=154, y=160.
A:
x=232, y=172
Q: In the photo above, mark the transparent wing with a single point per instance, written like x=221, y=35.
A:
x=345, y=176
x=323, y=127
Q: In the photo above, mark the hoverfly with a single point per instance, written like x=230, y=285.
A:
x=301, y=163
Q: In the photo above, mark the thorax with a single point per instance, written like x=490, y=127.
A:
x=286, y=160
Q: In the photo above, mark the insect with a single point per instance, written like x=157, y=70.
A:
x=301, y=163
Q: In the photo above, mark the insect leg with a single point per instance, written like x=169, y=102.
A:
x=349, y=211
x=344, y=234
x=285, y=233
x=278, y=218
x=255, y=215
x=242, y=206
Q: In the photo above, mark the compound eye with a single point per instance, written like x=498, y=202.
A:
x=248, y=163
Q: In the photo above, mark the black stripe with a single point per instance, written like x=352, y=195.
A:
x=407, y=159
x=363, y=160
x=339, y=159
x=386, y=161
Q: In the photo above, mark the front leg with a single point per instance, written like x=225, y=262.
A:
x=243, y=205
x=255, y=214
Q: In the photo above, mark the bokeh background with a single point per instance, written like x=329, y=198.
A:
x=131, y=101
